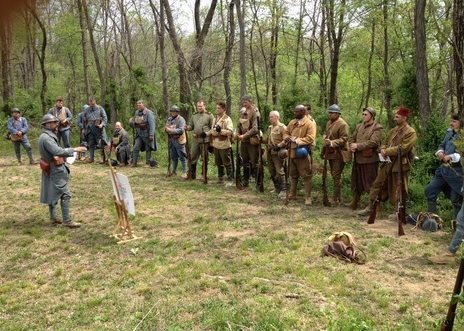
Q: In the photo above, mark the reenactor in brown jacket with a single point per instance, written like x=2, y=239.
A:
x=335, y=140
x=275, y=164
x=248, y=133
x=364, y=144
x=402, y=135
x=300, y=134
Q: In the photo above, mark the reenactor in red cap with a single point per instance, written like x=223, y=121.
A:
x=402, y=136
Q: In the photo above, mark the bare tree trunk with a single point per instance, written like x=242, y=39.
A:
x=5, y=42
x=84, y=49
x=41, y=56
x=458, y=42
x=421, y=62
x=161, y=31
x=299, y=37
x=335, y=35
x=448, y=89
x=240, y=6
x=200, y=34
x=230, y=39
x=322, y=70
x=387, y=81
x=253, y=68
x=95, y=53
x=185, y=92
x=273, y=57
x=369, y=65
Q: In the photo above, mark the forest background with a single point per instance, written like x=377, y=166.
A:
x=354, y=53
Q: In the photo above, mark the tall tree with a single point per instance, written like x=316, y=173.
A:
x=201, y=31
x=421, y=62
x=185, y=92
x=229, y=34
x=41, y=55
x=161, y=32
x=458, y=48
x=240, y=7
x=335, y=29
x=84, y=48
x=5, y=54
x=93, y=45
x=387, y=88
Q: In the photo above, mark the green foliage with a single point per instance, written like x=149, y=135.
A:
x=427, y=143
x=406, y=93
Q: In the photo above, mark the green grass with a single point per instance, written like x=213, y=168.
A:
x=210, y=258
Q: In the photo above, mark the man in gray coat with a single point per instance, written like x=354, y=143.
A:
x=55, y=172
x=65, y=117
x=95, y=121
x=144, y=124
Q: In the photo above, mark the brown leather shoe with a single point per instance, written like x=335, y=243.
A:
x=443, y=258
x=89, y=161
x=55, y=221
x=71, y=224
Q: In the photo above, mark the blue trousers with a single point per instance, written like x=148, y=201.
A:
x=449, y=181
x=64, y=136
x=177, y=152
x=459, y=234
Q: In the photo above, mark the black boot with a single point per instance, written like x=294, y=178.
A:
x=220, y=175
x=281, y=186
x=246, y=177
x=193, y=170
x=274, y=181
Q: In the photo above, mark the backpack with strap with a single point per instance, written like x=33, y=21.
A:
x=343, y=246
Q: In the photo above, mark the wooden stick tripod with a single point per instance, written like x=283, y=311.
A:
x=123, y=230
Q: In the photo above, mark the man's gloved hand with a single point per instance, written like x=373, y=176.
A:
x=218, y=128
x=203, y=135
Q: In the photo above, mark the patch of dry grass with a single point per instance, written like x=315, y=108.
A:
x=211, y=258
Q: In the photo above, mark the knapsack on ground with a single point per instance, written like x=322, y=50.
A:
x=343, y=246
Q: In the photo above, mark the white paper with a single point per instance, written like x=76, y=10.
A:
x=125, y=192
x=71, y=159
x=383, y=159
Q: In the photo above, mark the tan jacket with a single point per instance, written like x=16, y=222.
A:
x=221, y=140
x=338, y=132
x=275, y=135
x=368, y=138
x=303, y=130
x=406, y=138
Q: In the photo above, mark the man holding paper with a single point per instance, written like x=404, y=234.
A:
x=55, y=172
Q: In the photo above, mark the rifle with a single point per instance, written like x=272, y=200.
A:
x=325, y=198
x=376, y=203
x=133, y=144
x=260, y=172
x=232, y=160
x=357, y=195
x=449, y=321
x=189, y=157
x=400, y=193
x=108, y=160
x=238, y=171
x=205, y=162
x=286, y=176
x=169, y=159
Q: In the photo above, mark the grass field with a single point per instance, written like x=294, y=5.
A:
x=210, y=258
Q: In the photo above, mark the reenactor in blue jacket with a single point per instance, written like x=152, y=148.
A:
x=145, y=139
